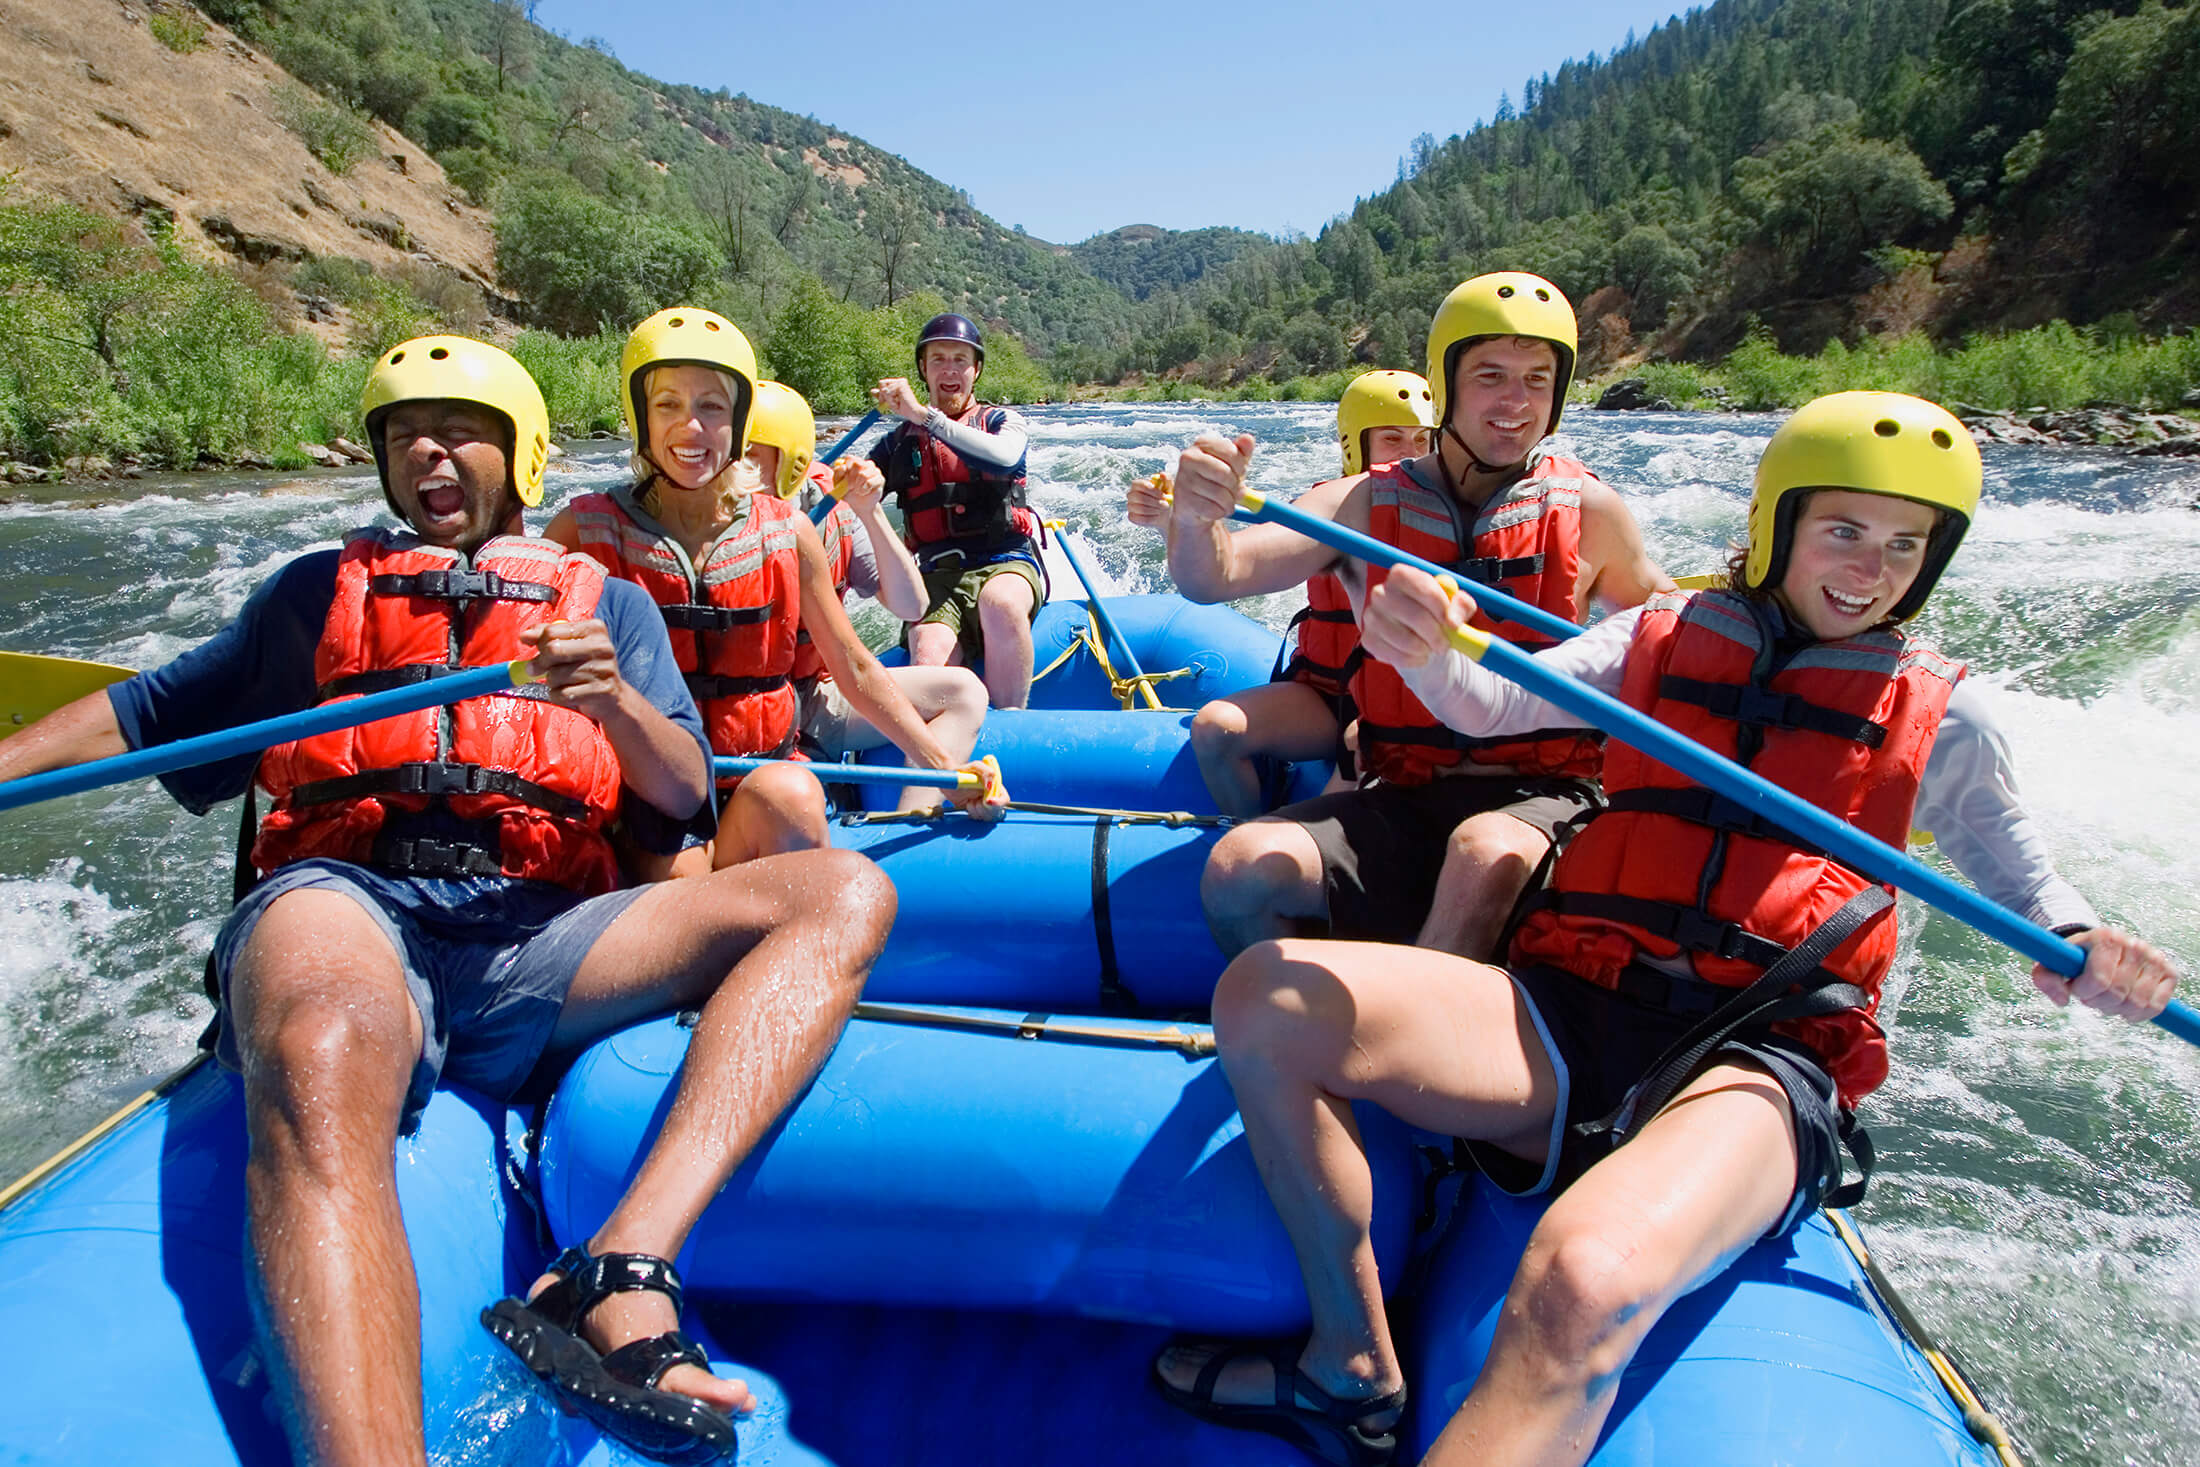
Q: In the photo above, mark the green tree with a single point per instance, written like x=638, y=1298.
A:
x=580, y=263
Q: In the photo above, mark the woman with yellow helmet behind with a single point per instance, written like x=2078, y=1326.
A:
x=868, y=558
x=1689, y=1019
x=737, y=575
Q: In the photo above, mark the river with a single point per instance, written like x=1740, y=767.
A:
x=2038, y=1196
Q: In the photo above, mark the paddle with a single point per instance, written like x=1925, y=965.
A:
x=1108, y=628
x=1797, y=817
x=250, y=738
x=824, y=505
x=32, y=687
x=725, y=767
x=1258, y=508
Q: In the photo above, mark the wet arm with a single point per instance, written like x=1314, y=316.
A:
x=1617, y=569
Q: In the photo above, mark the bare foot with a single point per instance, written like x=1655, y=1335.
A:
x=624, y=1318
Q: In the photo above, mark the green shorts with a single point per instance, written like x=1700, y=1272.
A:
x=952, y=597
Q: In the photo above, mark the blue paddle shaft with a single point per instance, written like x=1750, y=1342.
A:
x=1100, y=614
x=880, y=774
x=1368, y=548
x=825, y=505
x=250, y=738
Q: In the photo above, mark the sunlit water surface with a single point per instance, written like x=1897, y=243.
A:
x=2036, y=1193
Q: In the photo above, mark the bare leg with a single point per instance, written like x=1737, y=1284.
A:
x=951, y=701
x=777, y=809
x=1660, y=1217
x=1487, y=864
x=329, y=1037
x=1288, y=719
x=1004, y=617
x=776, y=951
x=1306, y=1027
x=934, y=645
x=1261, y=880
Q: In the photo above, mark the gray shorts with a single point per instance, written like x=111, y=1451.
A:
x=1601, y=1045
x=488, y=963
x=831, y=726
x=1383, y=846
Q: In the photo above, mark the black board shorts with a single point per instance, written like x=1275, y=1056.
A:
x=1382, y=846
x=1601, y=1044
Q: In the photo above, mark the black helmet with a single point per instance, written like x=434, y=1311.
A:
x=947, y=326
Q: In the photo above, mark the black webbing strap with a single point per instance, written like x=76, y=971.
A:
x=686, y=616
x=1488, y=570
x=243, y=877
x=1115, y=996
x=1859, y=1144
x=1793, y=987
x=363, y=684
x=706, y=685
x=1700, y=806
x=428, y=856
x=1688, y=928
x=440, y=778
x=461, y=585
x=1764, y=708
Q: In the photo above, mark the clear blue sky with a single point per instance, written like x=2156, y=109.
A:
x=1074, y=119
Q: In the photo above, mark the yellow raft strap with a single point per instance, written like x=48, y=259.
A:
x=1983, y=1423
x=1127, y=690
x=1191, y=1043
x=83, y=1143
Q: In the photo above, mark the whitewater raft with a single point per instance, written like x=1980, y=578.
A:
x=1020, y=1172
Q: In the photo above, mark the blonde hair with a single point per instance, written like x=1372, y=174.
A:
x=735, y=481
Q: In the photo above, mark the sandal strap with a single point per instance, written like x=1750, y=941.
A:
x=1349, y=1411
x=586, y=1280
x=644, y=1362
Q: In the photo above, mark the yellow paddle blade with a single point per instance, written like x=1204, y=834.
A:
x=32, y=687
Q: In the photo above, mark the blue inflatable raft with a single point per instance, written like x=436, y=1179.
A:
x=1018, y=1174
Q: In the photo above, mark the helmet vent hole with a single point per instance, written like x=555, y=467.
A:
x=1941, y=439
x=1886, y=427
x=677, y=321
x=396, y=357
x=1504, y=292
x=707, y=325
x=1541, y=294
x=438, y=354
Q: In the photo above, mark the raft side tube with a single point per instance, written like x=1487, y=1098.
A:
x=929, y=1167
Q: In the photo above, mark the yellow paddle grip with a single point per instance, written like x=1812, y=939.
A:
x=1471, y=640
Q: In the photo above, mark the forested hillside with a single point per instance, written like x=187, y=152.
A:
x=1830, y=169
x=614, y=191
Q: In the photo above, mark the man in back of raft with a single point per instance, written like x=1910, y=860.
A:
x=437, y=902
x=1435, y=852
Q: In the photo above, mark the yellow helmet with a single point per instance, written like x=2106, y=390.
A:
x=1379, y=400
x=1875, y=442
x=783, y=420
x=460, y=369
x=684, y=336
x=1507, y=303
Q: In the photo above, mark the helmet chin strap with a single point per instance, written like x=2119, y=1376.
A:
x=1474, y=459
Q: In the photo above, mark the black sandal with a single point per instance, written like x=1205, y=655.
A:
x=617, y=1392
x=1303, y=1414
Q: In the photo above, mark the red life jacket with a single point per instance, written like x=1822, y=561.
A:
x=1527, y=542
x=838, y=530
x=732, y=620
x=1328, y=649
x=535, y=783
x=953, y=506
x=1671, y=869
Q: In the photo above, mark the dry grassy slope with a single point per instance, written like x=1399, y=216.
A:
x=95, y=110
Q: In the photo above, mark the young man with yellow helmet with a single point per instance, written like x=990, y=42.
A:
x=1438, y=849
x=1631, y=1060
x=868, y=558
x=436, y=904
x=1382, y=417
x=738, y=575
